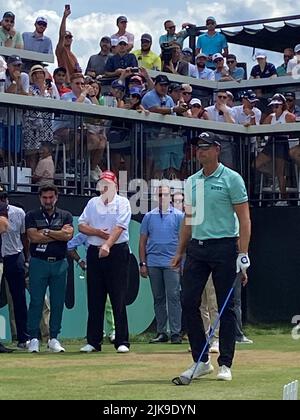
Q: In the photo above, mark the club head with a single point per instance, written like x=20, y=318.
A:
x=181, y=380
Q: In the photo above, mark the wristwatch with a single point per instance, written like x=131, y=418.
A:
x=143, y=264
x=46, y=232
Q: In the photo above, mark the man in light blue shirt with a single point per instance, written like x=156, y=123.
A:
x=37, y=41
x=235, y=73
x=171, y=34
x=212, y=42
x=158, y=242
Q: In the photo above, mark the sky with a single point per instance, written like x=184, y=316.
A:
x=90, y=19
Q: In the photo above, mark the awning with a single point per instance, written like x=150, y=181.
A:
x=267, y=38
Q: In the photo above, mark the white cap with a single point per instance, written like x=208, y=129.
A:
x=114, y=42
x=195, y=101
x=297, y=48
x=201, y=54
x=260, y=54
x=216, y=56
x=123, y=39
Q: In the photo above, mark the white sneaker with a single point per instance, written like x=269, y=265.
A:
x=112, y=337
x=202, y=369
x=123, y=349
x=244, y=340
x=224, y=374
x=34, y=346
x=55, y=346
x=214, y=348
x=87, y=349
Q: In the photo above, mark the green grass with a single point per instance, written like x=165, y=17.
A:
x=259, y=372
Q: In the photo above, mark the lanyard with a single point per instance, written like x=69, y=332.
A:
x=46, y=219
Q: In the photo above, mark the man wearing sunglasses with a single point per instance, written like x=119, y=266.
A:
x=171, y=34
x=235, y=73
x=9, y=37
x=37, y=41
x=214, y=237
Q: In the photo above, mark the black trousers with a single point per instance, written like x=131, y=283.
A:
x=216, y=256
x=14, y=272
x=107, y=276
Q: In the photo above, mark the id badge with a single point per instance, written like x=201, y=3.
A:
x=41, y=248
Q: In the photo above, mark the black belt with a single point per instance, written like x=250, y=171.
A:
x=50, y=259
x=212, y=241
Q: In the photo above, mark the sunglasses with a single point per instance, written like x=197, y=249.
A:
x=171, y=27
x=204, y=146
x=288, y=56
x=41, y=24
x=217, y=60
x=196, y=106
x=289, y=99
x=135, y=96
x=222, y=96
x=230, y=61
x=186, y=93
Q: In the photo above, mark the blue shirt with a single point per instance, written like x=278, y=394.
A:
x=78, y=240
x=152, y=99
x=268, y=71
x=179, y=38
x=120, y=62
x=238, y=73
x=212, y=199
x=210, y=45
x=163, y=231
x=38, y=44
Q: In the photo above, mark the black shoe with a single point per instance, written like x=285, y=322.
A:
x=160, y=338
x=176, y=339
x=5, y=349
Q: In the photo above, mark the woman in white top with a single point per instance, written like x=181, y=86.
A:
x=277, y=145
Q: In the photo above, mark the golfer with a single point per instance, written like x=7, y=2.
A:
x=215, y=236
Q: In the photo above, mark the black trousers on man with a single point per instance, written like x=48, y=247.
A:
x=14, y=272
x=107, y=275
x=216, y=256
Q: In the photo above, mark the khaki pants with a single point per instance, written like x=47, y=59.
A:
x=209, y=308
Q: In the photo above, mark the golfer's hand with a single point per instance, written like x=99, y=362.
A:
x=104, y=251
x=244, y=279
x=144, y=271
x=176, y=261
x=242, y=262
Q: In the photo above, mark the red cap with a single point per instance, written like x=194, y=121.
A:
x=109, y=176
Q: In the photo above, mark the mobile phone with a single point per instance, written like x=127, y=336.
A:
x=48, y=83
x=67, y=7
x=134, y=69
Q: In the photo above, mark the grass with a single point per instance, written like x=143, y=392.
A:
x=259, y=372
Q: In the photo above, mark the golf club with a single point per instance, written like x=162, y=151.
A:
x=183, y=380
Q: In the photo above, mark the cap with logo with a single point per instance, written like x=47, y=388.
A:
x=9, y=15
x=217, y=56
x=207, y=137
x=146, y=37
x=41, y=19
x=123, y=39
x=14, y=60
x=250, y=96
x=162, y=80
x=117, y=84
x=135, y=90
x=122, y=19
x=109, y=176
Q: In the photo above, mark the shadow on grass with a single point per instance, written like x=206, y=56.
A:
x=159, y=381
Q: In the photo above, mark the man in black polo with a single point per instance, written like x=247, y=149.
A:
x=48, y=229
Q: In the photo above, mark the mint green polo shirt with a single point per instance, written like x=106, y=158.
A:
x=212, y=199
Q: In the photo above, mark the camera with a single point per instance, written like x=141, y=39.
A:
x=134, y=69
x=166, y=52
x=48, y=83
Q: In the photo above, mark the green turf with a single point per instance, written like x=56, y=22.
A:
x=259, y=372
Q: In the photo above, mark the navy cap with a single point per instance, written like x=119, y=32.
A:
x=175, y=86
x=162, y=80
x=106, y=39
x=14, y=59
x=122, y=19
x=290, y=95
x=116, y=84
x=135, y=91
x=9, y=15
x=146, y=37
x=250, y=96
x=208, y=137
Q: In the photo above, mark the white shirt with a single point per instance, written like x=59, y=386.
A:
x=241, y=118
x=107, y=216
x=213, y=113
x=11, y=239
